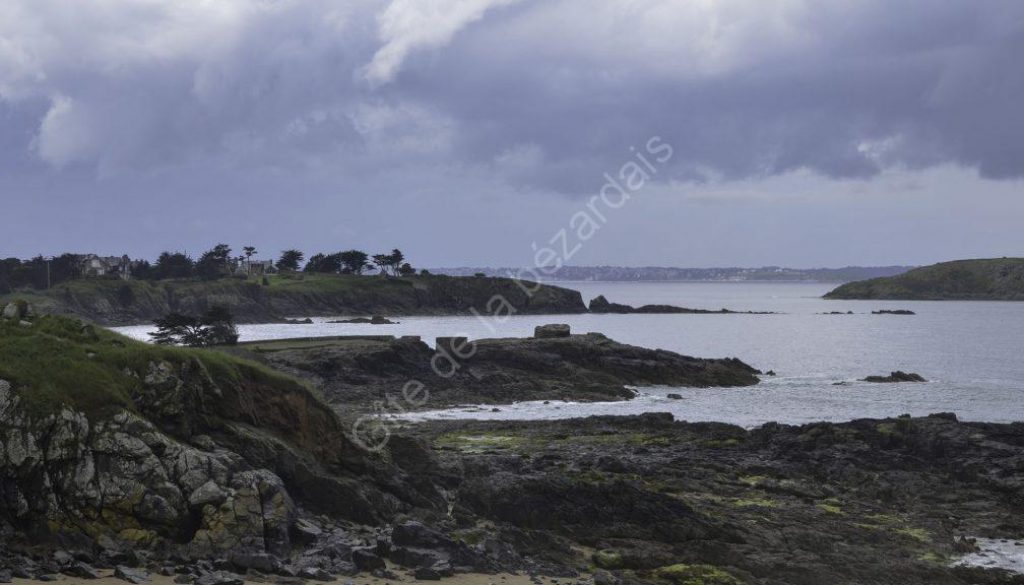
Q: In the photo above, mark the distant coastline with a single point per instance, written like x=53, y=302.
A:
x=674, y=274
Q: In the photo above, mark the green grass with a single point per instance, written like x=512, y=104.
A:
x=60, y=362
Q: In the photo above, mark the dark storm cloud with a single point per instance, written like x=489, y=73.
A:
x=540, y=93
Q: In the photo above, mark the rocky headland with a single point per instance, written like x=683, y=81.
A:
x=995, y=279
x=553, y=365
x=117, y=302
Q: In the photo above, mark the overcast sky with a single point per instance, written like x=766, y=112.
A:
x=803, y=132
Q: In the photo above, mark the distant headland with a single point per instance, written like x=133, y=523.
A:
x=992, y=279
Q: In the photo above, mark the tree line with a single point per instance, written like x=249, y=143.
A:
x=217, y=262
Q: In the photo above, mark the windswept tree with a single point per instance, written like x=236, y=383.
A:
x=178, y=329
x=354, y=261
x=290, y=260
x=406, y=270
x=382, y=262
x=213, y=264
x=397, y=258
x=215, y=327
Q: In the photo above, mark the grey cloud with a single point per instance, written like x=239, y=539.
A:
x=740, y=88
x=381, y=122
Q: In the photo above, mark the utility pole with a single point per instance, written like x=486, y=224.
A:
x=48, y=260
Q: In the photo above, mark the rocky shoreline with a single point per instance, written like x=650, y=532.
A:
x=201, y=467
x=356, y=372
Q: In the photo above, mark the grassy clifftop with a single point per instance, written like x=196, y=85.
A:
x=114, y=302
x=59, y=362
x=986, y=279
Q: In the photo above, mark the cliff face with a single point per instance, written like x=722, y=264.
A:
x=109, y=302
x=999, y=279
x=137, y=447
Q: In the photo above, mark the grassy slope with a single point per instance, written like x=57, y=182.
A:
x=59, y=362
x=987, y=279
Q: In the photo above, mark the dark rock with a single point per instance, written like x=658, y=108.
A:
x=385, y=574
x=81, y=570
x=427, y=574
x=895, y=377
x=366, y=559
x=417, y=557
x=586, y=367
x=602, y=577
x=305, y=531
x=262, y=562
x=63, y=558
x=375, y=320
x=219, y=578
x=674, y=396
x=601, y=305
x=893, y=312
x=316, y=574
x=184, y=579
x=552, y=331
x=5, y=576
x=222, y=564
x=47, y=577
x=419, y=535
x=134, y=576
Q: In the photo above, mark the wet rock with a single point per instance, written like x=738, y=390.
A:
x=895, y=377
x=893, y=312
x=674, y=396
x=5, y=576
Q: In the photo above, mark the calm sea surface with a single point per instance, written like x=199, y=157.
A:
x=972, y=353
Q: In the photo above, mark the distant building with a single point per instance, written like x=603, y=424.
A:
x=94, y=266
x=250, y=267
